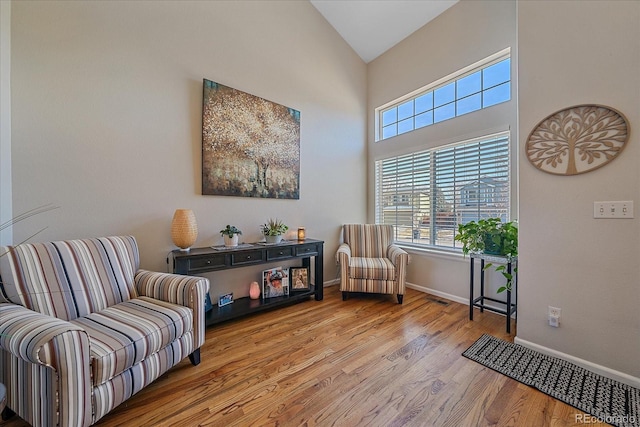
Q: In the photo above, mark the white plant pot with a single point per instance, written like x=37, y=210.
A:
x=231, y=241
x=273, y=239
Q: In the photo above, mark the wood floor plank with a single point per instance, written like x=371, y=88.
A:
x=367, y=361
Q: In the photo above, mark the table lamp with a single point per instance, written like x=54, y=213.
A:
x=184, y=229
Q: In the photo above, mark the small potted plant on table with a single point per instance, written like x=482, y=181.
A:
x=230, y=234
x=491, y=236
x=273, y=230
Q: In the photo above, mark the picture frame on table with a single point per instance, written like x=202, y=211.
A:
x=225, y=299
x=299, y=279
x=275, y=282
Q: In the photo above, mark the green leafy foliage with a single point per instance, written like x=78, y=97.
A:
x=230, y=230
x=274, y=227
x=491, y=236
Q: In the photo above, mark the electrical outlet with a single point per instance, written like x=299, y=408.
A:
x=555, y=311
x=603, y=210
x=554, y=316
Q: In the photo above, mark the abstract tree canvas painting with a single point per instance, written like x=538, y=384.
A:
x=250, y=146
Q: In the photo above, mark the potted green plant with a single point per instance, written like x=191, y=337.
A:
x=493, y=237
x=273, y=230
x=230, y=234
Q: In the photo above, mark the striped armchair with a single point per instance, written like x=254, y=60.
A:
x=82, y=328
x=370, y=262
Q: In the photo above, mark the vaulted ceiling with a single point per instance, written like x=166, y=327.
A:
x=371, y=27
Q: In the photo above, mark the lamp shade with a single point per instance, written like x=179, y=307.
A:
x=184, y=229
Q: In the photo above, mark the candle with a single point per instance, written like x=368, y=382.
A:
x=301, y=233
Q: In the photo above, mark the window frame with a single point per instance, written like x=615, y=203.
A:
x=431, y=89
x=430, y=183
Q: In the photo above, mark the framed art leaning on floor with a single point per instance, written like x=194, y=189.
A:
x=275, y=283
x=299, y=278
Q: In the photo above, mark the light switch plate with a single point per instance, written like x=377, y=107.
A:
x=613, y=210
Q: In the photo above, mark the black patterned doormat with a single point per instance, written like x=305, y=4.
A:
x=606, y=400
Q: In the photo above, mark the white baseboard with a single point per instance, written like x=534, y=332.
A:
x=598, y=369
x=452, y=297
x=440, y=294
x=444, y=295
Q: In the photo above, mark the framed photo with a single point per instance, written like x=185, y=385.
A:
x=299, y=278
x=225, y=299
x=275, y=283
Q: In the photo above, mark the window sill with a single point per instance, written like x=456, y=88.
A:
x=436, y=253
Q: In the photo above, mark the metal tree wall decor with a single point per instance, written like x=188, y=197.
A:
x=250, y=146
x=577, y=139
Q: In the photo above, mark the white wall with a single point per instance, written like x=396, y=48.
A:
x=6, y=235
x=107, y=104
x=466, y=33
x=573, y=53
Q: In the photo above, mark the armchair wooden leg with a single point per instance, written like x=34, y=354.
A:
x=195, y=357
x=345, y=295
x=7, y=413
x=400, y=297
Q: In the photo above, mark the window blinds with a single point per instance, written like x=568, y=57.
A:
x=426, y=194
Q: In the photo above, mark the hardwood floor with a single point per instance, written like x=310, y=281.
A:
x=367, y=361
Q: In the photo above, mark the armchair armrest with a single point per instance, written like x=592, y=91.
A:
x=343, y=257
x=396, y=254
x=29, y=335
x=188, y=291
x=400, y=258
x=344, y=251
x=54, y=344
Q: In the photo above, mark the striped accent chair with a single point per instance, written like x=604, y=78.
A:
x=82, y=328
x=370, y=262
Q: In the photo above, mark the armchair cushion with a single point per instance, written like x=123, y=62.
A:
x=371, y=268
x=368, y=240
x=70, y=278
x=127, y=333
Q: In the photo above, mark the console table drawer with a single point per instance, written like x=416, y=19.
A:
x=278, y=253
x=207, y=263
x=306, y=250
x=242, y=258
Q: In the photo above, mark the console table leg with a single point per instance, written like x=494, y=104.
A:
x=319, y=276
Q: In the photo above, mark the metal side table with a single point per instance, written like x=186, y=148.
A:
x=511, y=305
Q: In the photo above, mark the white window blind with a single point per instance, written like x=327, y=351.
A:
x=426, y=194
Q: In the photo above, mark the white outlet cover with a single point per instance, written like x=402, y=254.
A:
x=555, y=311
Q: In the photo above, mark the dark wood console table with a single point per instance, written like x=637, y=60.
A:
x=204, y=260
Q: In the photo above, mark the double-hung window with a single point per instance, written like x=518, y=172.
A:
x=426, y=194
